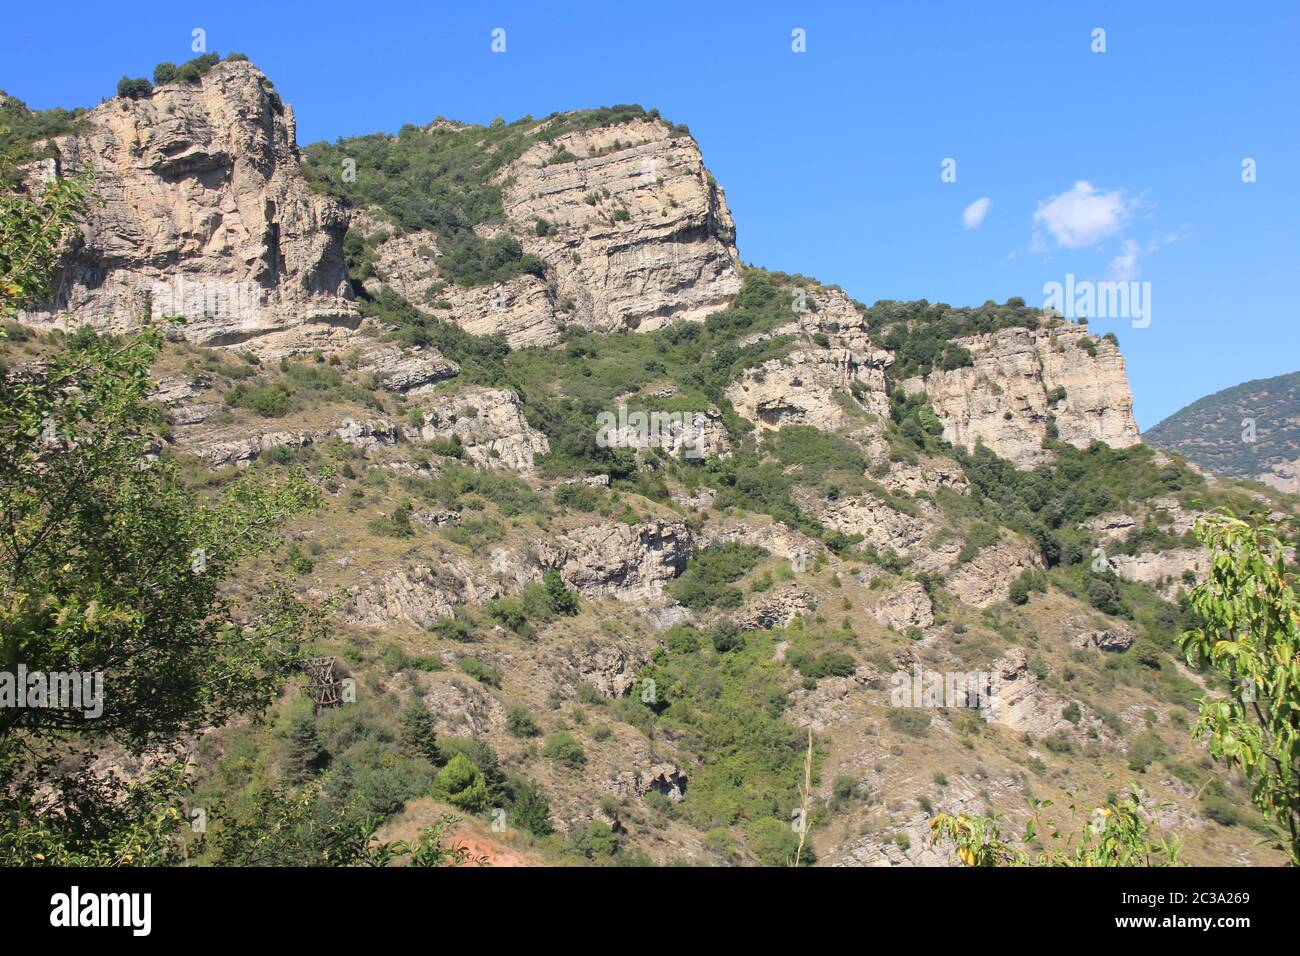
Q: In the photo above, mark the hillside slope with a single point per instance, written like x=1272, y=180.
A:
x=626, y=520
x=1251, y=430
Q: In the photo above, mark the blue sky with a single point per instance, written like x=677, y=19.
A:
x=1123, y=164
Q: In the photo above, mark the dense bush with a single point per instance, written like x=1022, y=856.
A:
x=921, y=333
x=566, y=749
x=705, y=584
x=134, y=89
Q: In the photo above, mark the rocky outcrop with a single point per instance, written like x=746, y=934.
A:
x=629, y=562
x=776, y=610
x=772, y=536
x=489, y=424
x=928, y=476
x=880, y=525
x=418, y=596
x=663, y=778
x=986, y=578
x=639, y=236
x=1109, y=528
x=521, y=308
x=1164, y=571
x=1086, y=636
x=1005, y=400
x=241, y=451
x=408, y=372
x=812, y=387
x=462, y=707
x=611, y=667
x=1024, y=703
x=206, y=215
x=906, y=605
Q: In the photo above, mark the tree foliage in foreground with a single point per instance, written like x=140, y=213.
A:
x=110, y=566
x=33, y=226
x=1117, y=835
x=1250, y=633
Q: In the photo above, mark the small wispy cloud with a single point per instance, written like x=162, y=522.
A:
x=1126, y=266
x=973, y=215
x=1081, y=216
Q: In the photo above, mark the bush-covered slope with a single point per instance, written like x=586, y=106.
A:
x=1237, y=432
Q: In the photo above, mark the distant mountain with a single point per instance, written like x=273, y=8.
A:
x=1215, y=431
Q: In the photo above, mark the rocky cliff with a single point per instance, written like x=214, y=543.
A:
x=641, y=233
x=1023, y=379
x=205, y=215
x=634, y=232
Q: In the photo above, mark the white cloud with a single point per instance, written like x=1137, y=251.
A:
x=1126, y=266
x=1082, y=216
x=973, y=216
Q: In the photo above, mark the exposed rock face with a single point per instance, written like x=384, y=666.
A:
x=490, y=424
x=1023, y=702
x=609, y=667
x=418, y=596
x=431, y=518
x=522, y=308
x=665, y=778
x=462, y=707
x=907, y=605
x=986, y=578
x=659, y=248
x=826, y=704
x=241, y=451
x=1282, y=475
x=1004, y=400
x=776, y=610
x=772, y=536
x=878, y=523
x=408, y=373
x=1113, y=637
x=629, y=562
x=1163, y=571
x=1110, y=527
x=930, y=475
x=808, y=386
x=206, y=215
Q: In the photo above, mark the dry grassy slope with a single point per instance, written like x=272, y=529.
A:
x=899, y=773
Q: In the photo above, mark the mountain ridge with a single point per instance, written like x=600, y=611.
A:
x=1250, y=430
x=645, y=630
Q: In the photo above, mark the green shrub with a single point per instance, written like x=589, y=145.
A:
x=530, y=811
x=461, y=784
x=912, y=721
x=520, y=723
x=705, y=582
x=565, y=748
x=134, y=89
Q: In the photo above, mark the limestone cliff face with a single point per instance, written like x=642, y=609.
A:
x=205, y=215
x=631, y=563
x=812, y=387
x=637, y=236
x=1006, y=398
x=641, y=233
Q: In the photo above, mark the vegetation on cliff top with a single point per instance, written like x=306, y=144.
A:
x=444, y=178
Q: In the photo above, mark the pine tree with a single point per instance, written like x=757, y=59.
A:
x=304, y=753
x=415, y=730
